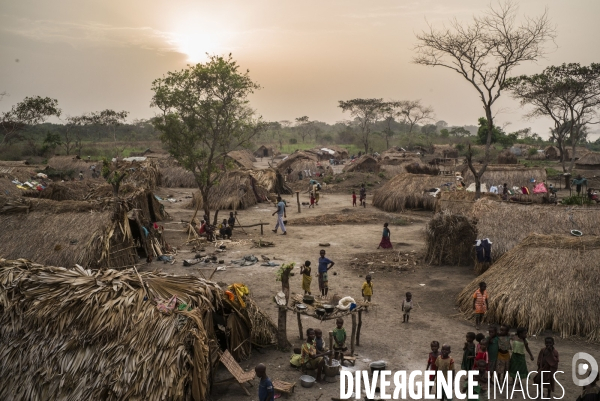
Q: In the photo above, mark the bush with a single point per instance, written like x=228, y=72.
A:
x=381, y=175
x=293, y=141
x=416, y=168
x=460, y=147
x=576, y=200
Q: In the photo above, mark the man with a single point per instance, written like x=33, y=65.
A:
x=280, y=215
x=231, y=220
x=266, y=392
x=480, y=303
x=324, y=265
x=363, y=195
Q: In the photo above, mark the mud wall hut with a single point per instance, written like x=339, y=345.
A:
x=498, y=174
x=590, y=161
x=365, y=164
x=538, y=284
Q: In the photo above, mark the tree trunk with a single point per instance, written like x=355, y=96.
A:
x=282, y=341
x=216, y=217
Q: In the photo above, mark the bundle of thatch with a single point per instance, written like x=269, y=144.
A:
x=234, y=190
x=242, y=158
x=365, y=163
x=541, y=284
x=141, y=174
x=98, y=335
x=513, y=175
x=67, y=190
x=408, y=191
x=590, y=160
x=450, y=239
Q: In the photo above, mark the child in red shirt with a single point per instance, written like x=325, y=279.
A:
x=353, y=198
x=312, y=199
x=433, y=355
x=481, y=353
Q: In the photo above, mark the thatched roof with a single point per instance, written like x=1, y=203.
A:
x=461, y=202
x=440, y=235
x=552, y=152
x=297, y=157
x=74, y=165
x=580, y=151
x=242, y=158
x=97, y=335
x=542, y=284
x=445, y=151
x=302, y=162
x=407, y=191
x=177, y=177
x=590, y=159
x=270, y=150
x=365, y=163
x=271, y=179
x=498, y=174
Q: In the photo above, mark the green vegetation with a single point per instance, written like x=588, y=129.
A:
x=576, y=200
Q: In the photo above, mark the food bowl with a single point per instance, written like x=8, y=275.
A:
x=301, y=307
x=307, y=381
x=329, y=308
x=377, y=365
x=320, y=311
x=308, y=299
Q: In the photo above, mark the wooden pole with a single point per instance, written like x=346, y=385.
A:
x=300, y=326
x=353, y=336
x=282, y=341
x=330, y=347
x=261, y=229
x=298, y=200
x=358, y=328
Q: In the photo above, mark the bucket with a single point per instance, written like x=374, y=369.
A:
x=378, y=365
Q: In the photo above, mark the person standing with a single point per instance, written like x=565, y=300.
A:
x=266, y=392
x=281, y=214
x=324, y=265
x=385, y=238
x=480, y=303
x=363, y=195
x=231, y=220
x=306, y=277
x=353, y=198
x=547, y=364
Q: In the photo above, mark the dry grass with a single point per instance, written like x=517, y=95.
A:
x=177, y=177
x=365, y=163
x=506, y=157
x=407, y=191
x=416, y=168
x=242, y=158
x=450, y=238
x=66, y=163
x=68, y=190
x=540, y=284
x=512, y=175
x=461, y=202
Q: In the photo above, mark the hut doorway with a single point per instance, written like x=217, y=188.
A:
x=150, y=208
x=265, y=152
x=138, y=238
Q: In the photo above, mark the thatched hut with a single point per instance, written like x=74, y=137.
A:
x=408, y=191
x=271, y=179
x=513, y=175
x=540, y=284
x=266, y=151
x=580, y=151
x=365, y=164
x=445, y=151
x=70, y=166
x=303, y=162
x=461, y=202
x=507, y=157
x=552, y=152
x=441, y=233
x=590, y=161
x=99, y=335
x=242, y=158
x=340, y=152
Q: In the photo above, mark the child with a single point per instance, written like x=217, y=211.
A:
x=480, y=303
x=266, y=392
x=435, y=346
x=445, y=367
x=548, y=363
x=312, y=200
x=311, y=359
x=407, y=305
x=339, y=339
x=367, y=289
x=385, y=238
x=306, y=277
x=319, y=343
x=478, y=338
x=504, y=349
x=492, y=347
x=353, y=198
x=481, y=354
x=518, y=364
x=468, y=359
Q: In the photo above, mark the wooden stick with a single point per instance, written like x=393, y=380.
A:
x=300, y=326
x=331, y=347
x=353, y=336
x=298, y=200
x=358, y=328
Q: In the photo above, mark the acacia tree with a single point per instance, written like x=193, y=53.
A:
x=413, y=112
x=30, y=111
x=484, y=52
x=366, y=113
x=304, y=127
x=205, y=114
x=569, y=94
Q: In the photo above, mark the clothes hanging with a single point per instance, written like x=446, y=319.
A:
x=483, y=249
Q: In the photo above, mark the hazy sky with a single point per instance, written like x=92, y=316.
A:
x=307, y=55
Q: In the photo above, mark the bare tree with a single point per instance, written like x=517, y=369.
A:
x=367, y=112
x=413, y=112
x=484, y=52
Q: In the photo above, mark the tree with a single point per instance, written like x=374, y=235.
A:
x=484, y=53
x=459, y=131
x=569, y=94
x=389, y=112
x=113, y=177
x=303, y=126
x=366, y=112
x=110, y=119
x=205, y=114
x=429, y=129
x=444, y=133
x=30, y=111
x=51, y=142
x=413, y=112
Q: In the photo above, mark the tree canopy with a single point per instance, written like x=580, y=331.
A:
x=30, y=111
x=367, y=112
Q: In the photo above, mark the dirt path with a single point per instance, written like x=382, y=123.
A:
x=353, y=247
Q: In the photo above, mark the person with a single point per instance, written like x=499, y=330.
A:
x=367, y=289
x=306, y=277
x=310, y=358
x=324, y=266
x=316, y=192
x=504, y=349
x=231, y=220
x=445, y=367
x=385, y=238
x=407, y=305
x=518, y=364
x=339, y=339
x=468, y=360
x=225, y=230
x=481, y=353
x=80, y=175
x=266, y=391
x=479, y=337
x=363, y=195
x=547, y=364
x=312, y=200
x=353, y=198
x=281, y=214
x=480, y=303
x=591, y=392
x=492, y=347
x=435, y=352
x=505, y=192
x=319, y=342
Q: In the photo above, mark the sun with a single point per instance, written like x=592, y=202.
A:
x=196, y=45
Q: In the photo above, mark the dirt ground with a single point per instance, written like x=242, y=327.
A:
x=353, y=241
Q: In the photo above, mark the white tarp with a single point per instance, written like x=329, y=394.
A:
x=331, y=152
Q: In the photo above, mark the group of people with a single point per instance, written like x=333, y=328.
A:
x=225, y=229
x=325, y=265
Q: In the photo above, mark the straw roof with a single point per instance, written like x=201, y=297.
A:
x=365, y=163
x=177, y=177
x=407, y=191
x=589, y=160
x=271, y=180
x=97, y=335
x=297, y=158
x=540, y=284
x=441, y=235
x=580, y=151
x=445, y=151
x=498, y=174
x=461, y=202
x=242, y=158
x=552, y=152
x=71, y=163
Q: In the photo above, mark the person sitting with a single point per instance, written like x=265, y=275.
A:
x=225, y=230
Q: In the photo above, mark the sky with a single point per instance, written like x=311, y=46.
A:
x=306, y=55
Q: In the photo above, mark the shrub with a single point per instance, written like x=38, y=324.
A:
x=381, y=175
x=576, y=200
x=293, y=141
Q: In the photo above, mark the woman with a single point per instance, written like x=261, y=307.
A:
x=306, y=277
x=385, y=240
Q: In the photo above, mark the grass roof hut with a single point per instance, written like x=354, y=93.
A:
x=242, y=159
x=552, y=152
x=301, y=161
x=408, y=191
x=539, y=284
x=590, y=161
x=580, y=151
x=513, y=175
x=365, y=163
x=98, y=335
x=265, y=151
x=65, y=167
x=461, y=202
